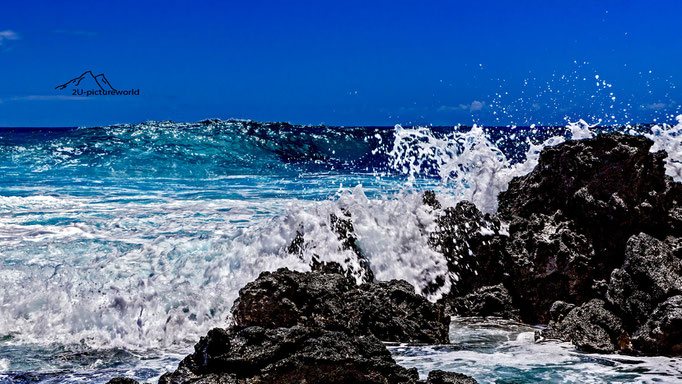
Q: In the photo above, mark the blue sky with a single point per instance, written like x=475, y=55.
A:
x=343, y=63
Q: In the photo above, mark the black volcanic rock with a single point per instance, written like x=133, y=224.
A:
x=611, y=186
x=256, y=355
x=286, y=298
x=473, y=245
x=429, y=198
x=559, y=310
x=486, y=301
x=591, y=327
x=649, y=275
x=389, y=310
x=392, y=311
x=288, y=355
x=122, y=380
x=589, y=241
x=662, y=333
x=343, y=227
x=643, y=312
x=442, y=377
x=317, y=327
x=550, y=260
x=570, y=218
x=612, y=178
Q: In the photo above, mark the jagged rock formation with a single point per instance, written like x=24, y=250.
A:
x=317, y=327
x=442, y=377
x=463, y=231
x=642, y=312
x=590, y=327
x=493, y=300
x=662, y=333
x=288, y=355
x=389, y=310
x=571, y=217
x=650, y=274
x=122, y=380
x=257, y=355
x=593, y=246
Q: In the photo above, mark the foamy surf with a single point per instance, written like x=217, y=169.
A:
x=99, y=253
x=496, y=350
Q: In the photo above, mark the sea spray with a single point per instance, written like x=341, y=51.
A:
x=468, y=164
x=668, y=138
x=99, y=251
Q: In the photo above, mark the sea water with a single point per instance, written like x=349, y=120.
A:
x=120, y=246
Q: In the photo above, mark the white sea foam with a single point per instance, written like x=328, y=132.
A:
x=669, y=138
x=467, y=163
x=154, y=271
x=499, y=350
x=129, y=275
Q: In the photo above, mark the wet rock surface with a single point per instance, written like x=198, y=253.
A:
x=442, y=377
x=549, y=260
x=662, y=333
x=614, y=241
x=463, y=231
x=588, y=242
x=571, y=217
x=316, y=327
x=288, y=355
x=122, y=380
x=650, y=274
x=356, y=265
x=286, y=298
x=492, y=300
x=612, y=179
x=591, y=327
x=295, y=355
x=389, y=310
x=643, y=308
x=559, y=310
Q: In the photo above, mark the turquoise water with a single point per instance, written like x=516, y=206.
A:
x=120, y=246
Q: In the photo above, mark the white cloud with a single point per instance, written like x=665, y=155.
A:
x=447, y=108
x=474, y=106
x=8, y=35
x=655, y=106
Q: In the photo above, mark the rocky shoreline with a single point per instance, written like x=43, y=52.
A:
x=592, y=250
x=589, y=243
x=317, y=327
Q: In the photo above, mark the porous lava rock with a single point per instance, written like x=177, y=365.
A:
x=389, y=310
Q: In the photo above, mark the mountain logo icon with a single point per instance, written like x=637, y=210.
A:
x=100, y=81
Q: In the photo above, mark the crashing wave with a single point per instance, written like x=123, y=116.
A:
x=113, y=259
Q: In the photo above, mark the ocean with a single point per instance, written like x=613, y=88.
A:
x=120, y=246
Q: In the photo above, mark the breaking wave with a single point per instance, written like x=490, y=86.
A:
x=140, y=236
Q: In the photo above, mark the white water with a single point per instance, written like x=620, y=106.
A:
x=501, y=351
x=669, y=138
x=156, y=272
